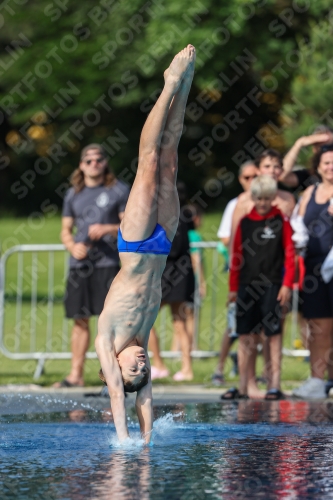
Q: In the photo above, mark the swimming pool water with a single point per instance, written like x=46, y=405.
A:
x=240, y=449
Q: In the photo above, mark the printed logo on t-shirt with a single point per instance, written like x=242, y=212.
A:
x=268, y=233
x=102, y=200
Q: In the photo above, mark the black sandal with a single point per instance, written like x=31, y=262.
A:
x=274, y=395
x=233, y=393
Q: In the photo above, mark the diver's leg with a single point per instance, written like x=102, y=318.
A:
x=140, y=216
x=168, y=202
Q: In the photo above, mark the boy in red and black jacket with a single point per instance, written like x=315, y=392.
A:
x=261, y=278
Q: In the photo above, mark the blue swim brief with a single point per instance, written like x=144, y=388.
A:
x=158, y=243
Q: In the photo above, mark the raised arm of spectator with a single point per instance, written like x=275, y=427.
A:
x=288, y=177
x=111, y=371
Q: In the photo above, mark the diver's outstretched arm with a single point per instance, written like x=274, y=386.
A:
x=112, y=374
x=144, y=408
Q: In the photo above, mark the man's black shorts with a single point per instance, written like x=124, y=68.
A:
x=86, y=290
x=257, y=310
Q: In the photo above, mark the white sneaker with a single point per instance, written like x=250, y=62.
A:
x=313, y=388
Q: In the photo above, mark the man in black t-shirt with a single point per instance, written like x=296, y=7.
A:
x=93, y=207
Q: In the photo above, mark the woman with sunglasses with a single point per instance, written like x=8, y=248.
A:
x=317, y=211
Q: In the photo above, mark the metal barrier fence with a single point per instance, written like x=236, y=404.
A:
x=32, y=322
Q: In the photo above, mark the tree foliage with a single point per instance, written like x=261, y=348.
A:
x=79, y=72
x=310, y=100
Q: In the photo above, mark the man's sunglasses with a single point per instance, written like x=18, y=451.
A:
x=99, y=160
x=249, y=177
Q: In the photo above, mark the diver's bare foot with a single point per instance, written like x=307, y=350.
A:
x=255, y=393
x=188, y=77
x=179, y=66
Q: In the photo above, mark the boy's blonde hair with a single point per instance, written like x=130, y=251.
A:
x=264, y=185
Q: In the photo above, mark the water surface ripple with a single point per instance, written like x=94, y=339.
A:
x=245, y=449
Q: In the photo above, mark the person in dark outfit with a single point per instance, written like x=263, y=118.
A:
x=178, y=285
x=261, y=278
x=93, y=206
x=317, y=211
x=178, y=276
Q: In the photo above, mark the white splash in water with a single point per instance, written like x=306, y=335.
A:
x=166, y=424
x=133, y=442
x=162, y=427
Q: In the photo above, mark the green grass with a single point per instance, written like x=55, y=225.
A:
x=17, y=331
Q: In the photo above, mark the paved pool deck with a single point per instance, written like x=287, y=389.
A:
x=28, y=399
x=18, y=399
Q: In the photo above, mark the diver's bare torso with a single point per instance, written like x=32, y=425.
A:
x=134, y=299
x=149, y=225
